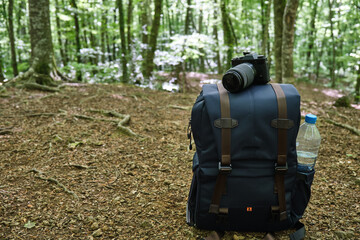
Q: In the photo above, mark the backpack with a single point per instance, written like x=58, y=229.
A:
x=245, y=166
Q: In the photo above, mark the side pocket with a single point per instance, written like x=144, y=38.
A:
x=302, y=193
x=191, y=203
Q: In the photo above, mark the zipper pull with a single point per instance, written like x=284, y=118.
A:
x=189, y=134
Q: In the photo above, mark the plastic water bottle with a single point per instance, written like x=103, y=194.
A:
x=307, y=144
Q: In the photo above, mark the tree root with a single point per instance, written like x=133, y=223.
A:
x=348, y=127
x=53, y=180
x=36, y=86
x=120, y=124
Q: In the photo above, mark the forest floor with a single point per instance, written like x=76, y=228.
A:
x=67, y=171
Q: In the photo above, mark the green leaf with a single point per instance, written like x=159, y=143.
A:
x=29, y=224
x=74, y=145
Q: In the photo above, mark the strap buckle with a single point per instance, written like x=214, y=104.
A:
x=225, y=169
x=276, y=215
x=281, y=169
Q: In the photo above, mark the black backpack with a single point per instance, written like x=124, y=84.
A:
x=245, y=167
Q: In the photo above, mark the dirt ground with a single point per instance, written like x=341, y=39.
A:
x=67, y=171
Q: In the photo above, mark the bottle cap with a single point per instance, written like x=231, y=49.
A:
x=310, y=118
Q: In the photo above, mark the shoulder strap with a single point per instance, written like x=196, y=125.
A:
x=225, y=161
x=279, y=212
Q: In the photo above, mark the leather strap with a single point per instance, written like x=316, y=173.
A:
x=225, y=161
x=281, y=164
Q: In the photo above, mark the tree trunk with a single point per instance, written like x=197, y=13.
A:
x=311, y=40
x=145, y=24
x=202, y=56
x=2, y=77
x=228, y=36
x=319, y=56
x=58, y=28
x=216, y=37
x=103, y=32
x=148, y=63
x=357, y=87
x=279, y=6
x=169, y=18
x=287, y=63
x=129, y=22
x=77, y=38
x=12, y=38
x=265, y=19
x=187, y=18
x=123, y=42
x=333, y=51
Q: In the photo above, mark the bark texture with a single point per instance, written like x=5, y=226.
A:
x=77, y=38
x=148, y=63
x=287, y=63
x=12, y=38
x=279, y=6
x=123, y=42
x=40, y=36
x=228, y=36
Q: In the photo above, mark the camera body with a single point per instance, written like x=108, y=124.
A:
x=259, y=63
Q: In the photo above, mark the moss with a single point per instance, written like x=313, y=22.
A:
x=42, y=68
x=343, y=102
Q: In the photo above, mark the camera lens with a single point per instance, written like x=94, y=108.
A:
x=239, y=77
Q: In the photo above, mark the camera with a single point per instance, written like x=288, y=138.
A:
x=246, y=70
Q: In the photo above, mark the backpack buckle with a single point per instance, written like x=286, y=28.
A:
x=281, y=169
x=224, y=169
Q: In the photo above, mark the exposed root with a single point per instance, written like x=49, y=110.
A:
x=52, y=180
x=348, y=127
x=120, y=124
x=36, y=86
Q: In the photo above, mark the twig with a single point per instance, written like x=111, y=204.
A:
x=179, y=107
x=81, y=166
x=116, y=178
x=6, y=130
x=348, y=127
x=52, y=180
x=41, y=114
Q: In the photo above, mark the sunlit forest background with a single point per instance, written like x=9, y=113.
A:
x=107, y=41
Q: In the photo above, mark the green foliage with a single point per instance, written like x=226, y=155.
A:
x=100, y=51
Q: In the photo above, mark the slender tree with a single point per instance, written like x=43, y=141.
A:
x=287, y=63
x=103, y=31
x=279, y=6
x=216, y=37
x=333, y=43
x=77, y=37
x=312, y=32
x=2, y=76
x=12, y=37
x=148, y=63
x=129, y=20
x=59, y=35
x=229, y=39
x=265, y=20
x=123, y=42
